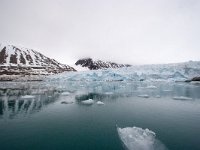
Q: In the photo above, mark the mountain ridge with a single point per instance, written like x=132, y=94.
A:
x=17, y=60
x=99, y=64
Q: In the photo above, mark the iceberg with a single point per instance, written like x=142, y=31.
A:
x=135, y=138
x=108, y=93
x=182, y=98
x=158, y=96
x=100, y=103
x=167, y=90
x=27, y=97
x=88, y=102
x=144, y=96
x=65, y=93
x=151, y=87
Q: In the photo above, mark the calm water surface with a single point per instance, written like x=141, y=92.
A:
x=42, y=121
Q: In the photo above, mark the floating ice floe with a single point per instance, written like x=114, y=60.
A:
x=28, y=97
x=182, y=98
x=65, y=93
x=158, y=96
x=151, y=87
x=108, y=93
x=167, y=90
x=88, y=102
x=135, y=138
x=144, y=96
x=100, y=103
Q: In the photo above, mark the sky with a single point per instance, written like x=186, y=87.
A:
x=123, y=31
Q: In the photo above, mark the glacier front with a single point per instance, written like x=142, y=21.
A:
x=160, y=72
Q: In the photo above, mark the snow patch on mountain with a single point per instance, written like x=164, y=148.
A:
x=19, y=60
x=98, y=64
x=80, y=68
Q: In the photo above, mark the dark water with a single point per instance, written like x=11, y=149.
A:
x=43, y=122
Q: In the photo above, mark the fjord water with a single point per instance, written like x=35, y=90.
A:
x=53, y=116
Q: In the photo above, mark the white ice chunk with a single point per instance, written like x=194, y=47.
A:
x=182, y=98
x=100, y=103
x=158, y=96
x=65, y=93
x=144, y=96
x=88, y=102
x=167, y=90
x=108, y=93
x=135, y=138
x=151, y=87
x=28, y=97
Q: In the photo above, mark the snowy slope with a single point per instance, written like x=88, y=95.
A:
x=98, y=64
x=172, y=72
x=17, y=60
x=79, y=67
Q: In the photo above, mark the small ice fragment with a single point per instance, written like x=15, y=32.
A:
x=144, y=96
x=167, y=90
x=27, y=97
x=100, y=103
x=141, y=87
x=182, y=98
x=151, y=87
x=158, y=96
x=108, y=93
x=65, y=93
x=88, y=102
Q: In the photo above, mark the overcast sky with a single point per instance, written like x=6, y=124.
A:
x=125, y=31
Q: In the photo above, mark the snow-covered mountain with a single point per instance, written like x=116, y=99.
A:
x=95, y=65
x=169, y=72
x=17, y=61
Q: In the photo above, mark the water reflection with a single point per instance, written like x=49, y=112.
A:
x=15, y=102
x=12, y=104
x=153, y=90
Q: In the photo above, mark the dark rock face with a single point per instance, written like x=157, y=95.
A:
x=95, y=65
x=3, y=56
x=196, y=79
x=193, y=79
x=17, y=61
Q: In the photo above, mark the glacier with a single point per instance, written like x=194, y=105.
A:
x=159, y=72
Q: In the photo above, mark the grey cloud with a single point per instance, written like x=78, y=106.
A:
x=126, y=31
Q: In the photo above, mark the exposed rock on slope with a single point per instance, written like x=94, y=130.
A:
x=95, y=65
x=23, y=61
x=196, y=79
x=193, y=79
